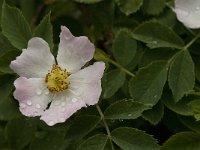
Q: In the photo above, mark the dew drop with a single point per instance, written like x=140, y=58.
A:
x=29, y=103
x=129, y=115
x=62, y=119
x=50, y=123
x=74, y=100
x=197, y=8
x=38, y=91
x=155, y=96
x=22, y=105
x=63, y=104
x=62, y=109
x=46, y=93
x=38, y=106
x=56, y=103
x=154, y=42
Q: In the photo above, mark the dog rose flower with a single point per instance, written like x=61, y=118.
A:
x=188, y=12
x=56, y=89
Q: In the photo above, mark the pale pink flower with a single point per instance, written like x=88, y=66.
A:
x=188, y=12
x=62, y=84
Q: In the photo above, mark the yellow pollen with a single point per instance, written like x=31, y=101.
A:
x=57, y=79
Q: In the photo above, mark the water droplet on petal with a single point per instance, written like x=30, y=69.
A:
x=63, y=104
x=56, y=103
x=62, y=109
x=29, y=103
x=22, y=105
x=74, y=100
x=38, y=91
x=62, y=119
x=50, y=123
x=35, y=113
x=197, y=8
x=38, y=106
x=46, y=93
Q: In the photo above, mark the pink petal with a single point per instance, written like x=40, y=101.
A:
x=85, y=88
x=87, y=83
x=32, y=95
x=188, y=12
x=74, y=52
x=62, y=107
x=35, y=61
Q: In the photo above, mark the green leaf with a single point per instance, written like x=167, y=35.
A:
x=155, y=35
x=15, y=27
x=155, y=114
x=195, y=105
x=181, y=75
x=6, y=86
x=48, y=140
x=97, y=142
x=124, y=47
x=5, y=45
x=182, y=141
x=133, y=139
x=2, y=138
x=81, y=126
x=152, y=55
x=112, y=81
x=6, y=59
x=19, y=133
x=153, y=7
x=190, y=122
x=1, y=3
x=88, y=1
x=129, y=6
x=9, y=109
x=180, y=107
x=28, y=8
x=45, y=30
x=125, y=109
x=147, y=86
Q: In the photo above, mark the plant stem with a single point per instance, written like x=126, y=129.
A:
x=105, y=124
x=120, y=67
x=192, y=41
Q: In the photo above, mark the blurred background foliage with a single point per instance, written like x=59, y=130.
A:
x=150, y=88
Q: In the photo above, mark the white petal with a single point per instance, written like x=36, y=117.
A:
x=86, y=83
x=188, y=12
x=35, y=61
x=73, y=52
x=62, y=107
x=32, y=95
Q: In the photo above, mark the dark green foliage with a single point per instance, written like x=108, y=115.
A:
x=150, y=96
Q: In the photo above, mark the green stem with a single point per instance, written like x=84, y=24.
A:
x=105, y=124
x=120, y=67
x=195, y=93
x=192, y=41
x=185, y=47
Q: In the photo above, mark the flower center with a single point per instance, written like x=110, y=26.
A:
x=57, y=79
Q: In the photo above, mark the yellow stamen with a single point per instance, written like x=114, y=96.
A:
x=57, y=79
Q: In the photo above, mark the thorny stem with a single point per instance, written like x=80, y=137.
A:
x=106, y=125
